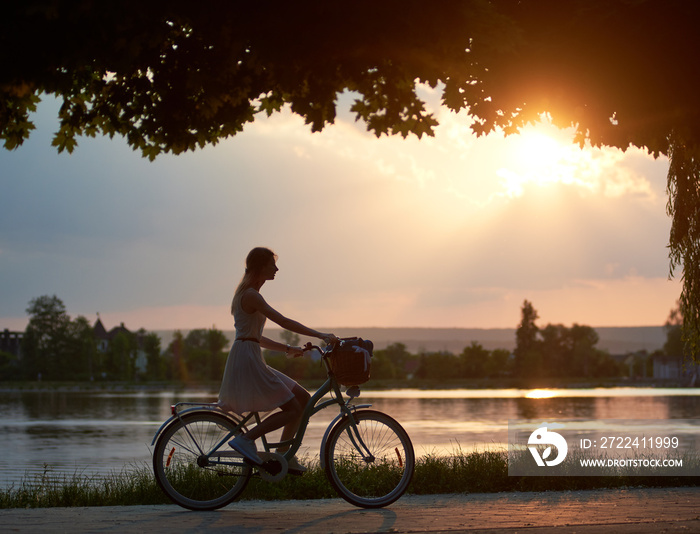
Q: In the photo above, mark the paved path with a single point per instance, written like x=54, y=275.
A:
x=588, y=512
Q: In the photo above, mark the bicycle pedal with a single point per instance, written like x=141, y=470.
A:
x=273, y=468
x=249, y=463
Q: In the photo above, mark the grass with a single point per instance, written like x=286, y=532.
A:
x=134, y=485
x=474, y=472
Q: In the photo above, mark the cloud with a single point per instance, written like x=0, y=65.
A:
x=369, y=231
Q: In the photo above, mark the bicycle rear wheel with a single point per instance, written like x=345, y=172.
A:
x=375, y=476
x=186, y=471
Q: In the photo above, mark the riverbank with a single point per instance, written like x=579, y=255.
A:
x=629, y=510
x=483, y=472
x=374, y=385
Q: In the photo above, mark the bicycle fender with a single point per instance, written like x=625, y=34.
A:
x=335, y=421
x=179, y=416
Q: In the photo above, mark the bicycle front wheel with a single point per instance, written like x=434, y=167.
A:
x=189, y=469
x=369, y=464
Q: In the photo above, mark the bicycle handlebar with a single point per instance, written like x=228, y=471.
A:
x=310, y=346
x=324, y=351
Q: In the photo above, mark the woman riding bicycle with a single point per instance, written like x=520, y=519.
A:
x=249, y=384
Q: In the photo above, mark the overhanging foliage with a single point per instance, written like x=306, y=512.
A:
x=171, y=76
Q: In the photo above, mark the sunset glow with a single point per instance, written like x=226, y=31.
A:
x=541, y=394
x=451, y=230
x=540, y=160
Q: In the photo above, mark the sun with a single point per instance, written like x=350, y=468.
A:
x=538, y=149
x=542, y=155
x=541, y=394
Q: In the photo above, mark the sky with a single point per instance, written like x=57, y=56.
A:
x=448, y=231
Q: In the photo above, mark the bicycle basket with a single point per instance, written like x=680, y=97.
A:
x=351, y=361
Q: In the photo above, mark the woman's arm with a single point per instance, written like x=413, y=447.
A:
x=252, y=301
x=290, y=350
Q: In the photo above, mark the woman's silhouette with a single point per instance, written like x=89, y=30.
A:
x=249, y=384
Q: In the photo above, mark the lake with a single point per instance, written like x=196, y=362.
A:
x=97, y=433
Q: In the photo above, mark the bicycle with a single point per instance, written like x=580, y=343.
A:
x=367, y=456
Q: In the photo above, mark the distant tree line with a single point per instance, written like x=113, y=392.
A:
x=395, y=362
x=556, y=351
x=56, y=347
x=197, y=357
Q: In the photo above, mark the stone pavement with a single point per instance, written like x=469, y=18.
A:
x=635, y=510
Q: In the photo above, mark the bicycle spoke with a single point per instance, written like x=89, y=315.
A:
x=369, y=463
x=185, y=473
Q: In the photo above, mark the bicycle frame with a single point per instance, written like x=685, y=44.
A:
x=315, y=405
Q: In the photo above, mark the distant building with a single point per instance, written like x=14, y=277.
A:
x=11, y=342
x=101, y=335
x=674, y=368
x=104, y=339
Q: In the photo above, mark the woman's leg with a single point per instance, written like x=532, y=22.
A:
x=290, y=429
x=288, y=417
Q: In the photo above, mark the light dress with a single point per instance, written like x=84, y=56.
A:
x=249, y=384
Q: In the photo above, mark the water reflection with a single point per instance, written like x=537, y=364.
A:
x=87, y=432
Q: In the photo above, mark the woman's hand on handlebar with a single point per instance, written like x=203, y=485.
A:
x=328, y=339
x=294, y=352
